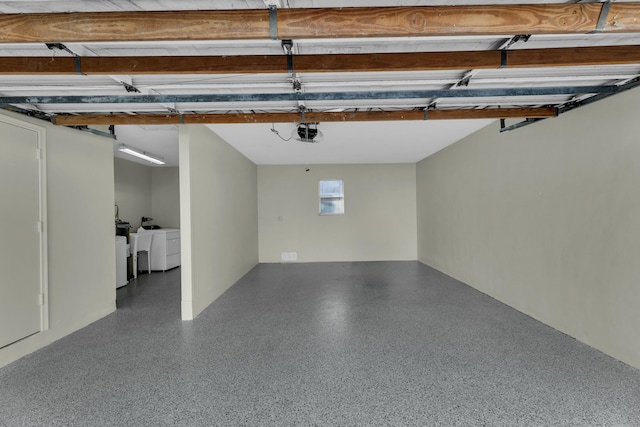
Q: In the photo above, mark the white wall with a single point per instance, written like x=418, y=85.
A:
x=133, y=191
x=80, y=234
x=218, y=201
x=546, y=219
x=165, y=197
x=379, y=221
x=147, y=191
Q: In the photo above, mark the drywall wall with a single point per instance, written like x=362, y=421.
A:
x=147, y=191
x=81, y=246
x=546, y=219
x=379, y=221
x=165, y=197
x=132, y=191
x=219, y=217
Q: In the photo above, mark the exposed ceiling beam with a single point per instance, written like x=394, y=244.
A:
x=310, y=116
x=580, y=18
x=308, y=96
x=576, y=56
x=265, y=64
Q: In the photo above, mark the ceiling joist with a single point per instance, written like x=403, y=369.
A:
x=575, y=18
x=358, y=116
x=265, y=64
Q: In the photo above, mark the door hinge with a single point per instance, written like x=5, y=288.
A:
x=39, y=227
x=38, y=153
x=40, y=299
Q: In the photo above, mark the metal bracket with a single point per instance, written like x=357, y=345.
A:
x=94, y=131
x=78, y=61
x=503, y=58
x=273, y=22
x=61, y=46
x=30, y=113
x=287, y=46
x=464, y=82
x=130, y=88
x=602, y=19
x=504, y=47
x=523, y=123
x=515, y=39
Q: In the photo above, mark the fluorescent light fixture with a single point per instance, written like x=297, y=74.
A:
x=141, y=154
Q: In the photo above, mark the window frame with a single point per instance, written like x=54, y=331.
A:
x=321, y=198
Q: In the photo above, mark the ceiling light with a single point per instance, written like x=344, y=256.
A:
x=141, y=154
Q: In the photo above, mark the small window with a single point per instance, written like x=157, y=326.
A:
x=331, y=197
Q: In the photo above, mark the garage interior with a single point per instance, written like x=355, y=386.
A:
x=483, y=271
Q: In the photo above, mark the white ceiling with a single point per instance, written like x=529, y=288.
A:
x=370, y=142
x=356, y=142
x=160, y=141
x=350, y=142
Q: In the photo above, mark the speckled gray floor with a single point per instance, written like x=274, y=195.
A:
x=393, y=343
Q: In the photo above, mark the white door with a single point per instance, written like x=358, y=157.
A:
x=20, y=263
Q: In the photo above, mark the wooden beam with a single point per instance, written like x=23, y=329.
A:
x=577, y=18
x=29, y=65
x=440, y=20
x=414, y=61
x=623, y=18
x=253, y=64
x=493, y=113
x=134, y=26
x=568, y=57
x=360, y=116
x=261, y=64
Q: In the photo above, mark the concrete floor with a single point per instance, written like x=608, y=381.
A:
x=332, y=344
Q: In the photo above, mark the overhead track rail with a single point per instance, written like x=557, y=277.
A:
x=308, y=96
x=265, y=64
x=631, y=84
x=469, y=20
